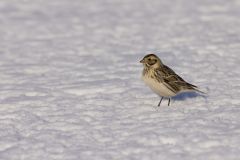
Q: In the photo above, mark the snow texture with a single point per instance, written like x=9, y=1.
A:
x=70, y=86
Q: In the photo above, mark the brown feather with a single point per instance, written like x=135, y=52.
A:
x=173, y=81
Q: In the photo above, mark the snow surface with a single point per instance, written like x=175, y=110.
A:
x=70, y=86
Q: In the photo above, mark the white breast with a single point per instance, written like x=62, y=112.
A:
x=157, y=87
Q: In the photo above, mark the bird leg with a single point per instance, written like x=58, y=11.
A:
x=160, y=101
x=169, y=99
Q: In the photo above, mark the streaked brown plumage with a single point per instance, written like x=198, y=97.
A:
x=162, y=79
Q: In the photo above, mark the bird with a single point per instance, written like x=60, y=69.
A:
x=163, y=80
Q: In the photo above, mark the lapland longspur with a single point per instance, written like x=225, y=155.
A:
x=163, y=80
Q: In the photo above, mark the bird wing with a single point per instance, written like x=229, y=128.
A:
x=173, y=81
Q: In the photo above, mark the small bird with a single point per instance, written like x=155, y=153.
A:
x=163, y=80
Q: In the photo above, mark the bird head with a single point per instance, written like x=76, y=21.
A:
x=151, y=60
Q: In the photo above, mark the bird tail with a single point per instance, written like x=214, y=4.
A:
x=195, y=88
x=199, y=91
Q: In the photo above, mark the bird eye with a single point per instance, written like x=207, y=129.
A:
x=149, y=59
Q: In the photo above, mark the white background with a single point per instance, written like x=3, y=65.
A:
x=70, y=86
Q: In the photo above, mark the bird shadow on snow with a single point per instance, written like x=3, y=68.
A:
x=186, y=95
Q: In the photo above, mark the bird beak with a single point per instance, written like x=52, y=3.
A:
x=142, y=61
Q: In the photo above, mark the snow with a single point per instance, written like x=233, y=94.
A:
x=70, y=84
